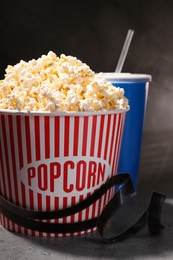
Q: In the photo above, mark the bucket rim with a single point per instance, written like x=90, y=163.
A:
x=65, y=113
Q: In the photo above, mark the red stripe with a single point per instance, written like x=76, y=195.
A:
x=57, y=136
x=8, y=224
x=39, y=201
x=76, y=135
x=87, y=210
x=94, y=123
x=48, y=209
x=56, y=203
x=23, y=195
x=13, y=160
x=94, y=208
x=24, y=202
x=99, y=206
x=107, y=136
x=14, y=172
x=64, y=207
x=4, y=223
x=3, y=173
x=19, y=139
x=37, y=137
x=66, y=135
x=80, y=213
x=14, y=166
x=100, y=135
x=47, y=136
x=73, y=202
x=7, y=157
x=112, y=139
x=85, y=135
x=72, y=217
x=3, y=218
x=28, y=138
x=31, y=200
x=12, y=225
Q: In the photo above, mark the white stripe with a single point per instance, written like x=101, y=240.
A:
x=42, y=139
x=23, y=140
x=80, y=136
x=97, y=135
x=1, y=220
x=33, y=139
x=10, y=168
x=90, y=210
x=5, y=223
x=68, y=205
x=10, y=225
x=33, y=153
x=76, y=216
x=97, y=209
x=104, y=136
x=52, y=136
x=102, y=202
x=62, y=128
x=24, y=146
x=17, y=158
x=71, y=136
x=52, y=145
x=16, y=150
x=89, y=135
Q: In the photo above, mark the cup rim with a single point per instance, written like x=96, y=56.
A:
x=65, y=113
x=124, y=77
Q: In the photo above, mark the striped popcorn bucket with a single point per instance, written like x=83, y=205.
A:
x=51, y=161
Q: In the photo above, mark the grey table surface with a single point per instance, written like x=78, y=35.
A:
x=155, y=174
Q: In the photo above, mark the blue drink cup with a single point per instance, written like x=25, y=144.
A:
x=136, y=90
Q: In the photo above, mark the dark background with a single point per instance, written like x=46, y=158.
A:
x=94, y=31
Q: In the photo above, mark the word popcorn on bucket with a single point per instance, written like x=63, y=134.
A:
x=50, y=176
x=61, y=127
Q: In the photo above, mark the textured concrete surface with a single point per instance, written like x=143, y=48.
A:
x=141, y=246
x=155, y=173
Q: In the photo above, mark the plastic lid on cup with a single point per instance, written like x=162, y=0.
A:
x=124, y=77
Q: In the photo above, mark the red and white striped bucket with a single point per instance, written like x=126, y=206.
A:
x=50, y=161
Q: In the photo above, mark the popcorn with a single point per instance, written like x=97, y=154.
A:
x=57, y=84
